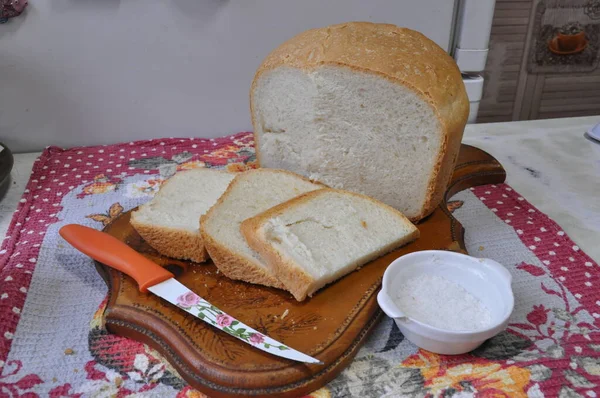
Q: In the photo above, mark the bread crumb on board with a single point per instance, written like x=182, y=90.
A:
x=285, y=313
x=69, y=351
x=481, y=248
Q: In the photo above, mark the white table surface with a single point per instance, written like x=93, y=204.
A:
x=549, y=162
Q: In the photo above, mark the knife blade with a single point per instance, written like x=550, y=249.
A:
x=152, y=277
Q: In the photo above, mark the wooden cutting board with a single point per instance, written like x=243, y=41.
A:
x=331, y=325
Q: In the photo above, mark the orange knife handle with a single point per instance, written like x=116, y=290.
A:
x=116, y=254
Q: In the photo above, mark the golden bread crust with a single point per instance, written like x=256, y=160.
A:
x=171, y=242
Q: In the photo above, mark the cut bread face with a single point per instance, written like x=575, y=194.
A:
x=350, y=130
x=249, y=194
x=316, y=238
x=363, y=107
x=169, y=222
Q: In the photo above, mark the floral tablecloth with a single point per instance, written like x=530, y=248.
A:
x=52, y=342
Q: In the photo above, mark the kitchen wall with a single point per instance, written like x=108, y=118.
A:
x=524, y=79
x=85, y=72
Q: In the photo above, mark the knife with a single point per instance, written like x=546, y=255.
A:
x=152, y=277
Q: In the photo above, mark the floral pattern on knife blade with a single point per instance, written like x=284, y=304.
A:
x=202, y=309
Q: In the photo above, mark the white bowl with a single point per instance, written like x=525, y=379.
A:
x=485, y=279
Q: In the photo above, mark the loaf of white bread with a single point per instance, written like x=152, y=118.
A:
x=316, y=238
x=371, y=108
x=170, y=221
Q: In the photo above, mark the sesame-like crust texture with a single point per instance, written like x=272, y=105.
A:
x=236, y=266
x=171, y=242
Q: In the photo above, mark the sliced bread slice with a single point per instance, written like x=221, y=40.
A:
x=318, y=237
x=169, y=222
x=249, y=194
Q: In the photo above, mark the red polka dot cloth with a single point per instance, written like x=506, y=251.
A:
x=53, y=344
